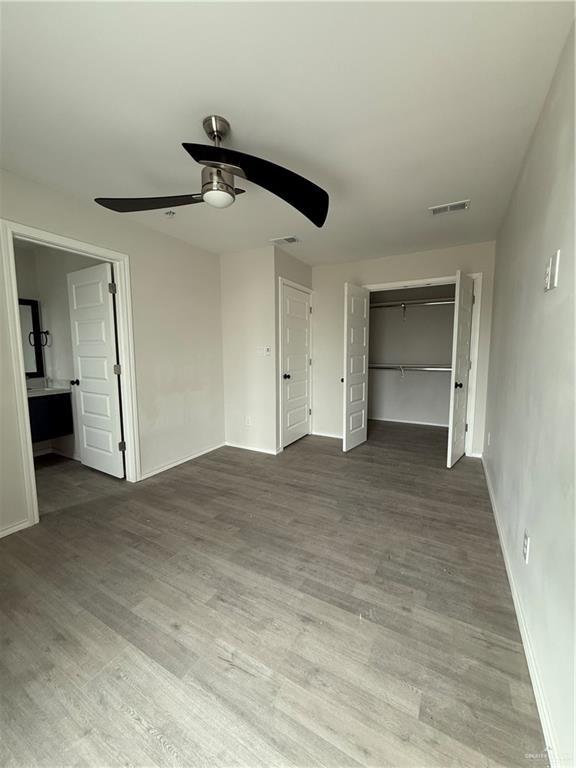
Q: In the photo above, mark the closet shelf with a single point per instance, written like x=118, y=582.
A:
x=407, y=367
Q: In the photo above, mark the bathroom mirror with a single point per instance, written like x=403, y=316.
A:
x=31, y=338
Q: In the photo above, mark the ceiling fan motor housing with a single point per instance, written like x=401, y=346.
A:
x=217, y=180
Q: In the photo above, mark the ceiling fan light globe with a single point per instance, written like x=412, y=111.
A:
x=218, y=198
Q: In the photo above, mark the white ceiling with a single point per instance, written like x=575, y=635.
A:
x=391, y=107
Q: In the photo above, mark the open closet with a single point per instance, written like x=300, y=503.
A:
x=410, y=358
x=407, y=359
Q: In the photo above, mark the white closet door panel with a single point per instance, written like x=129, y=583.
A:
x=356, y=327
x=295, y=364
x=460, y=367
x=97, y=396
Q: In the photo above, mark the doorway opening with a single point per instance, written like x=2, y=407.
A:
x=410, y=360
x=71, y=347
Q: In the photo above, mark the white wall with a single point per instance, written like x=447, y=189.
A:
x=177, y=331
x=249, y=348
x=290, y=267
x=423, y=335
x=52, y=267
x=530, y=459
x=25, y=262
x=328, y=320
x=250, y=301
x=41, y=274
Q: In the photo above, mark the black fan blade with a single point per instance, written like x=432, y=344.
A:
x=302, y=194
x=130, y=204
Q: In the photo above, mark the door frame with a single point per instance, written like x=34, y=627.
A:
x=10, y=230
x=282, y=283
x=474, y=340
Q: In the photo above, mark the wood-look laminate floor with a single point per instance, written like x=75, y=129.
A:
x=309, y=609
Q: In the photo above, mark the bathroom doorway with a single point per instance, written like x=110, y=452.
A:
x=73, y=328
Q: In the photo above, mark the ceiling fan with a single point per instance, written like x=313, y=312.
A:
x=221, y=165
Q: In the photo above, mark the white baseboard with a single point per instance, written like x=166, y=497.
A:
x=41, y=452
x=176, y=463
x=410, y=421
x=474, y=455
x=16, y=527
x=327, y=434
x=74, y=457
x=533, y=668
x=270, y=452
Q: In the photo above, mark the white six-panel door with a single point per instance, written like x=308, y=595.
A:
x=295, y=364
x=356, y=320
x=96, y=396
x=460, y=367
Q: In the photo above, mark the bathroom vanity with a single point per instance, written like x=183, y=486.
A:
x=50, y=413
x=50, y=408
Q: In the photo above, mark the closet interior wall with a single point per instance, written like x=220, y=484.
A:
x=409, y=334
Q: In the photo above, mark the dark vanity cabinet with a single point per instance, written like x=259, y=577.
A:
x=50, y=416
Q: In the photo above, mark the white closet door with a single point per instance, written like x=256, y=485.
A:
x=295, y=364
x=460, y=367
x=356, y=319
x=97, y=396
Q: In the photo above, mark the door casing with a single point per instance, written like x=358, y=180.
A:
x=10, y=230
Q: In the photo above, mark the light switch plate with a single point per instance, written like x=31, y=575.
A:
x=547, y=272
x=526, y=547
x=552, y=271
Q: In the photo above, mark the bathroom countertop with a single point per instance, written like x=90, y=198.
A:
x=43, y=391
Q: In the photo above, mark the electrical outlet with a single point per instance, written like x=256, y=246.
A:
x=248, y=421
x=526, y=547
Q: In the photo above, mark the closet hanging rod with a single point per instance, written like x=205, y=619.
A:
x=410, y=303
x=398, y=367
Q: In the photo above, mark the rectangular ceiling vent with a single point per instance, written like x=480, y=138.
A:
x=288, y=240
x=461, y=205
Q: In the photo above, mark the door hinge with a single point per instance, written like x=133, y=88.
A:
x=111, y=287
x=122, y=445
x=310, y=361
x=117, y=369
x=310, y=310
x=473, y=299
x=466, y=428
x=309, y=411
x=469, y=365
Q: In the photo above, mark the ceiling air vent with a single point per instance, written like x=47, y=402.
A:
x=461, y=205
x=288, y=240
